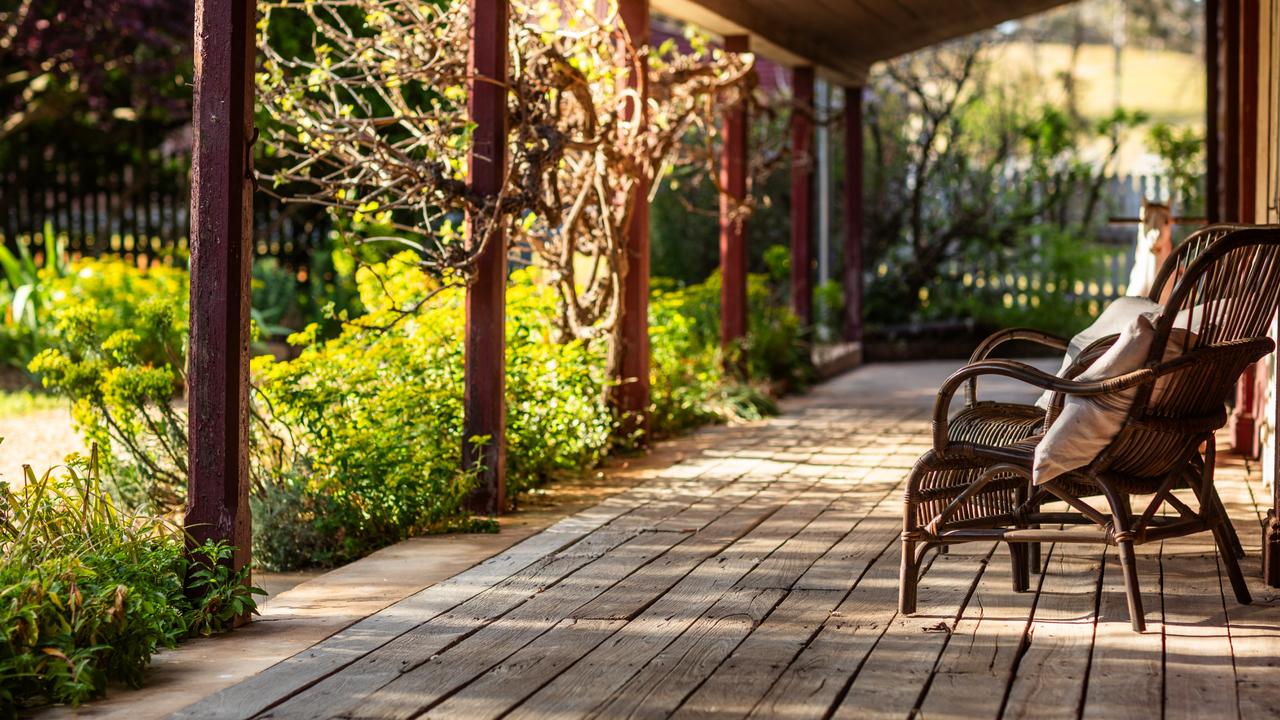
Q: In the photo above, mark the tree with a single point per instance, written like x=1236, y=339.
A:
x=370, y=120
x=959, y=166
x=102, y=63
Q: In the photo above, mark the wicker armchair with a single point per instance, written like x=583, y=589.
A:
x=995, y=423
x=974, y=485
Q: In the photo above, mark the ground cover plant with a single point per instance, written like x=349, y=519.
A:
x=89, y=590
x=369, y=423
x=356, y=439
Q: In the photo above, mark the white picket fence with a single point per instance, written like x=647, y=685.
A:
x=1113, y=248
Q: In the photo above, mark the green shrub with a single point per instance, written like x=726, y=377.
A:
x=275, y=298
x=828, y=311
x=283, y=302
x=373, y=417
x=689, y=386
x=118, y=353
x=357, y=440
x=26, y=296
x=88, y=592
x=686, y=369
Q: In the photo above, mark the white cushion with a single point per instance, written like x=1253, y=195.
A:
x=1205, y=315
x=1088, y=424
x=1117, y=315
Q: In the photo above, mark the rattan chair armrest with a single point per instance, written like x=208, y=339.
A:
x=1000, y=337
x=1027, y=374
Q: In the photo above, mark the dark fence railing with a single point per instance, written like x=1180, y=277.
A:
x=137, y=204
x=134, y=204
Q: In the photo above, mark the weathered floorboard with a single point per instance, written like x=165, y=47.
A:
x=1200, y=680
x=984, y=649
x=894, y=675
x=758, y=577
x=592, y=680
x=349, y=687
x=418, y=687
x=1051, y=676
x=816, y=677
x=1127, y=670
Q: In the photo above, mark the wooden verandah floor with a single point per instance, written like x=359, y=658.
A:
x=759, y=579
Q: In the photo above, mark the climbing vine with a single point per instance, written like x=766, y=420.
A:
x=369, y=117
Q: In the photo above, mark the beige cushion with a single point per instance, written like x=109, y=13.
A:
x=1088, y=424
x=1117, y=315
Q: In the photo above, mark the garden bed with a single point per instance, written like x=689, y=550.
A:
x=944, y=340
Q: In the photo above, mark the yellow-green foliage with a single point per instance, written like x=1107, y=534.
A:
x=376, y=414
x=689, y=385
x=357, y=440
x=117, y=351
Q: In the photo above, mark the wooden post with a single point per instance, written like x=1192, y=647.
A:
x=1248, y=409
x=221, y=251
x=484, y=411
x=631, y=397
x=853, y=217
x=733, y=232
x=1248, y=114
x=1213, y=91
x=1228, y=34
x=802, y=194
x=822, y=95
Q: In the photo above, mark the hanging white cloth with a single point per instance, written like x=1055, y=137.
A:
x=1155, y=242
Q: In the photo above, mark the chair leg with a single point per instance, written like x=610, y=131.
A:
x=908, y=578
x=1033, y=556
x=1122, y=531
x=1233, y=539
x=1224, y=535
x=1227, y=553
x=1133, y=593
x=1208, y=494
x=1018, y=555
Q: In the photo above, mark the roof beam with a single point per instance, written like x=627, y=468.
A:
x=772, y=34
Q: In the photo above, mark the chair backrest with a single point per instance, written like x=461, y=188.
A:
x=1184, y=253
x=1213, y=326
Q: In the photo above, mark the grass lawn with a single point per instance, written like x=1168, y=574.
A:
x=1168, y=86
x=14, y=403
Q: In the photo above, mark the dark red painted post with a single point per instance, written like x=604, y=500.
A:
x=1249, y=405
x=733, y=231
x=484, y=411
x=632, y=395
x=853, y=217
x=1213, y=90
x=221, y=243
x=1229, y=111
x=802, y=194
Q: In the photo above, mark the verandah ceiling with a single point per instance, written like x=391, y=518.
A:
x=845, y=37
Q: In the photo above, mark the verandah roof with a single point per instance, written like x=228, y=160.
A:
x=846, y=37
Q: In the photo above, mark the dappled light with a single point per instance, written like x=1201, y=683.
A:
x=759, y=577
x=596, y=359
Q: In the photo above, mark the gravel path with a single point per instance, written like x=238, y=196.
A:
x=41, y=439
